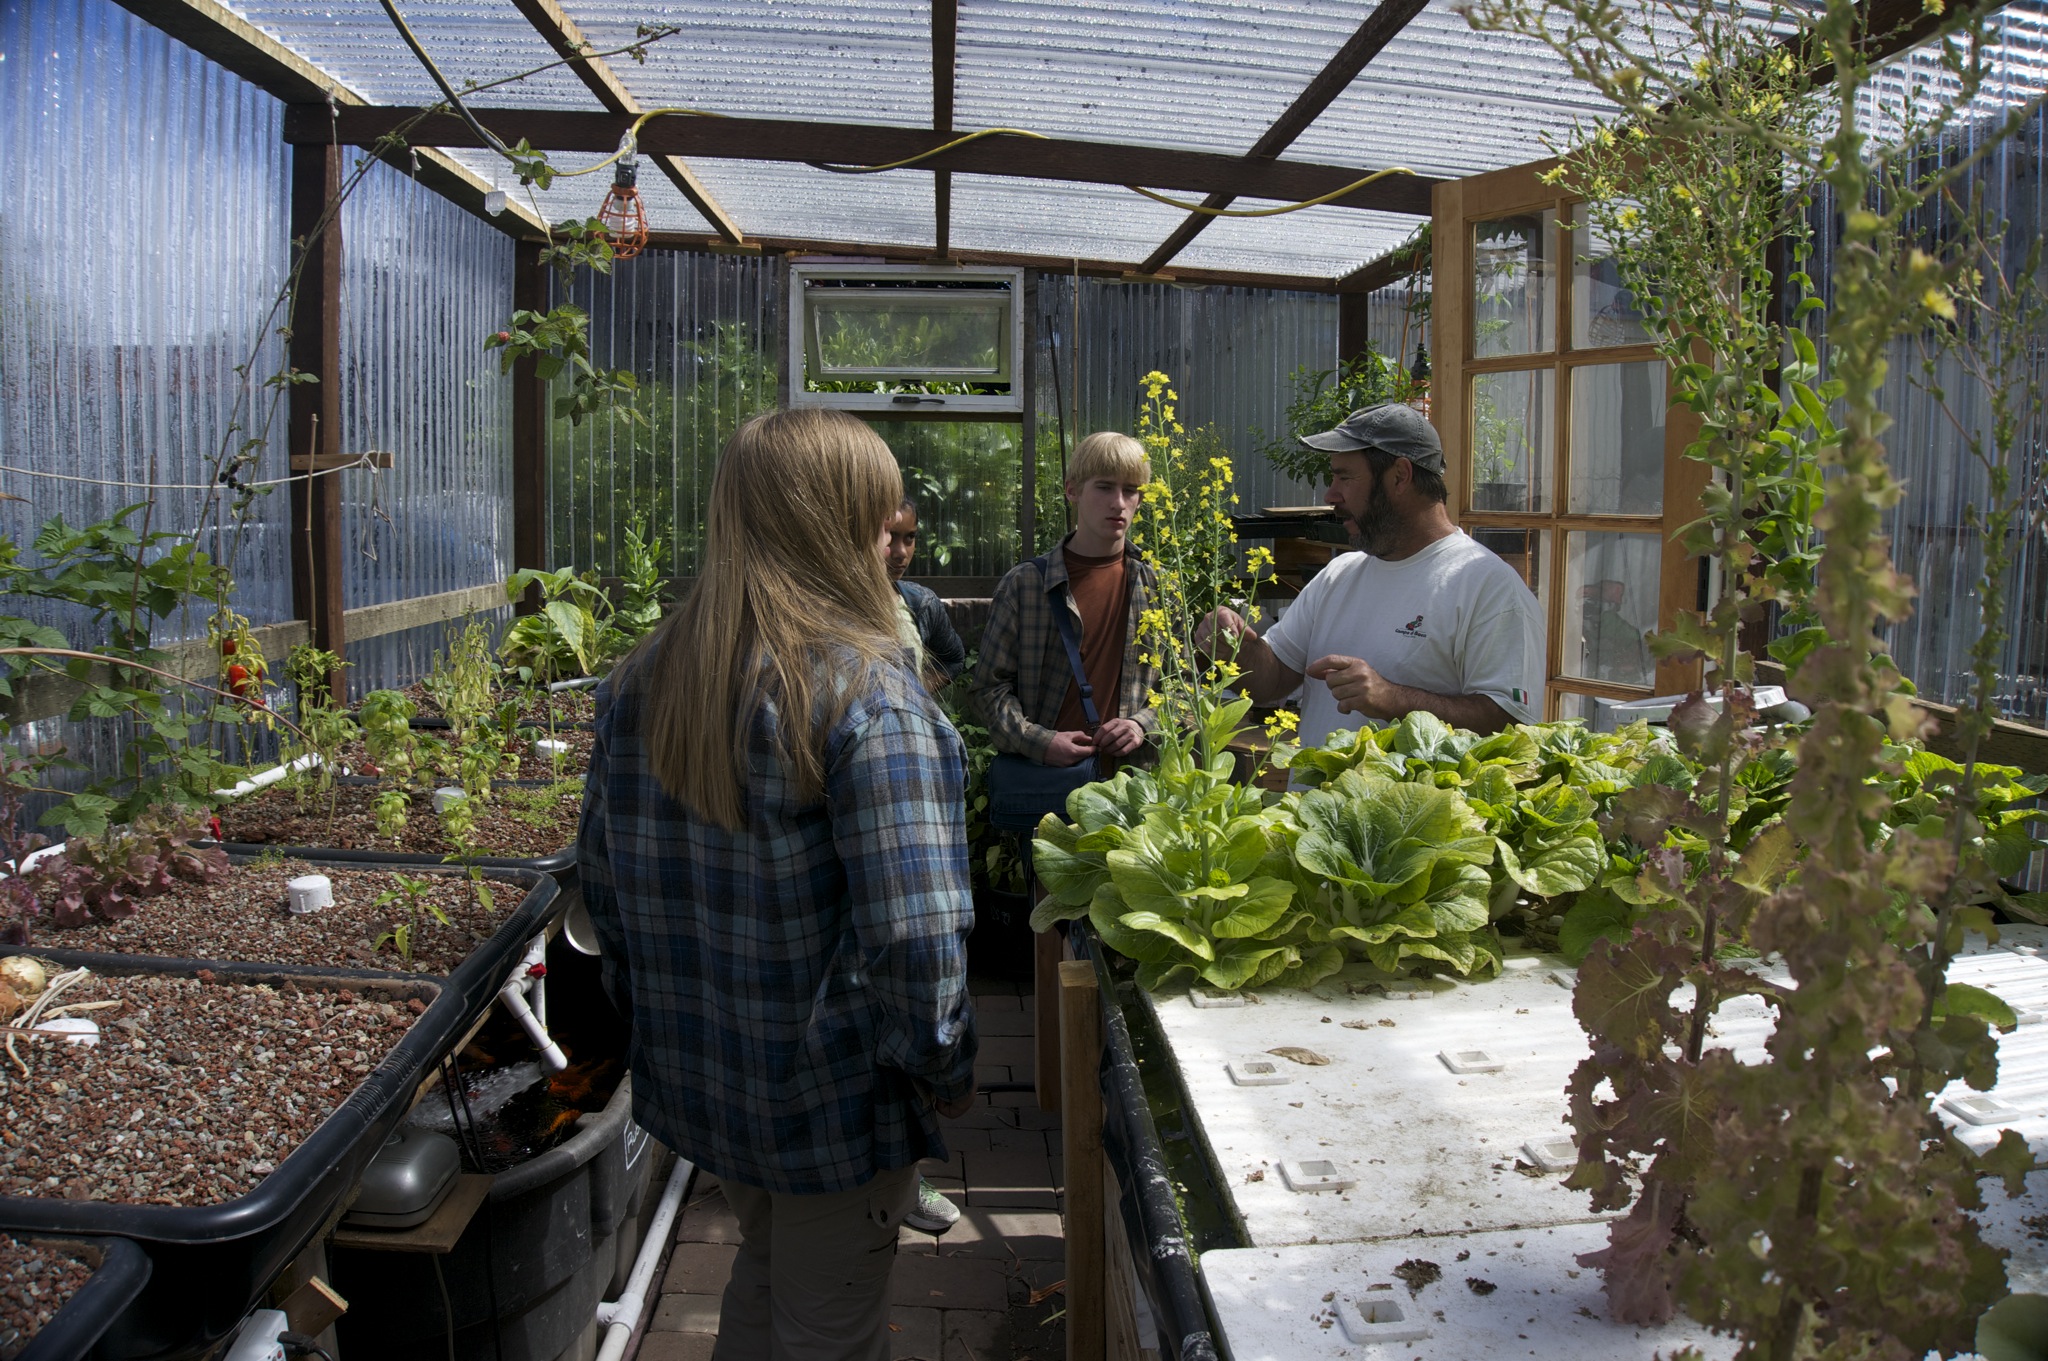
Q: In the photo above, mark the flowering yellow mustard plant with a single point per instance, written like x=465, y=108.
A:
x=1187, y=536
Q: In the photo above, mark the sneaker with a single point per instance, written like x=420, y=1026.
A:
x=933, y=1213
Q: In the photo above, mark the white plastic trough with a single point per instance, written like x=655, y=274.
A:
x=1446, y=1161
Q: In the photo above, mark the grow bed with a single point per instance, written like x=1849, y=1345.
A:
x=580, y=739
x=57, y=1295
x=573, y=704
x=529, y=824
x=244, y=917
x=197, y=1089
x=268, y=1138
x=1437, y=1128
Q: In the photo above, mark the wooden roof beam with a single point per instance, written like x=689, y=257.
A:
x=1120, y=271
x=233, y=43
x=945, y=54
x=1372, y=36
x=561, y=34
x=768, y=139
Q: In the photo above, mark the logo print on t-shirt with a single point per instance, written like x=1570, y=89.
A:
x=1412, y=629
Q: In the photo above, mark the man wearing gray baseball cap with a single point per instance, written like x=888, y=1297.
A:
x=1423, y=619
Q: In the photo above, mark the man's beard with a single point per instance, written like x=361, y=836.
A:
x=1372, y=530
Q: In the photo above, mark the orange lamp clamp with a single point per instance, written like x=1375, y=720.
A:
x=623, y=215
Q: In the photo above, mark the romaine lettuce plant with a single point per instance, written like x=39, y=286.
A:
x=1397, y=871
x=1183, y=871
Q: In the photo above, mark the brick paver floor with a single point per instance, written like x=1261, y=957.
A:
x=986, y=1291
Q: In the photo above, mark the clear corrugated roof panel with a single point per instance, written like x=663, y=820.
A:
x=472, y=41
x=1446, y=101
x=1209, y=75
x=843, y=62
x=581, y=196
x=1206, y=75
x=1314, y=241
x=779, y=199
x=1053, y=217
x=1106, y=222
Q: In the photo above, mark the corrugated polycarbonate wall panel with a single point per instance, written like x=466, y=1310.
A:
x=424, y=284
x=1930, y=452
x=704, y=335
x=1397, y=320
x=1229, y=352
x=142, y=247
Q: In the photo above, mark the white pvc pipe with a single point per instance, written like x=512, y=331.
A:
x=264, y=779
x=31, y=860
x=513, y=997
x=580, y=683
x=551, y=1056
x=621, y=1316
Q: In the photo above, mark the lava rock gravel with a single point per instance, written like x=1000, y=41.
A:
x=244, y=917
x=507, y=826
x=35, y=1281
x=198, y=1089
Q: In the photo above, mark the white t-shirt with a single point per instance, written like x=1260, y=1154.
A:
x=1453, y=619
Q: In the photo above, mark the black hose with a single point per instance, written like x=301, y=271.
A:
x=1130, y=1141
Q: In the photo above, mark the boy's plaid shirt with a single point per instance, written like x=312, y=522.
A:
x=798, y=989
x=1023, y=675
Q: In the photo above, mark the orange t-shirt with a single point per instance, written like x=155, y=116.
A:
x=1101, y=590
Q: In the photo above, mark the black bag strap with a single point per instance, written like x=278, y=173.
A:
x=1063, y=619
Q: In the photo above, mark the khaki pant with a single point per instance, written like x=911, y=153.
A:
x=811, y=1281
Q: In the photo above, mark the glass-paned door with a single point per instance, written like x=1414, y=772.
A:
x=1565, y=458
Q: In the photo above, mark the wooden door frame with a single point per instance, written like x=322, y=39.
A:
x=1456, y=204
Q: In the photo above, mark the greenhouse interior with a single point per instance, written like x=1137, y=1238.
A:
x=1533, y=521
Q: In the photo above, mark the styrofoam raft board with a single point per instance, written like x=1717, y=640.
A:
x=1280, y=1304
x=1433, y=1151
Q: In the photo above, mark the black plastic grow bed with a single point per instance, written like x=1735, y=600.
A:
x=561, y=864
x=476, y=979
x=119, y=1271
x=558, y=865
x=212, y=1263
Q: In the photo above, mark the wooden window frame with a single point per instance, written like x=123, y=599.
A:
x=1456, y=206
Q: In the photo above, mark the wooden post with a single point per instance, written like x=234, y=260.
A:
x=529, y=430
x=1026, y=379
x=1045, y=1016
x=315, y=408
x=1354, y=314
x=1081, y=1145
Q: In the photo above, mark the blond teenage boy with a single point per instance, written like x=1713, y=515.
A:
x=1024, y=687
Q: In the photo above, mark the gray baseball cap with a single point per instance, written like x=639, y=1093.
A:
x=1391, y=428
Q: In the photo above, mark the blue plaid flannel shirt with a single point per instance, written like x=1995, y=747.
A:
x=797, y=990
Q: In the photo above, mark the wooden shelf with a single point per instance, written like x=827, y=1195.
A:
x=437, y=1235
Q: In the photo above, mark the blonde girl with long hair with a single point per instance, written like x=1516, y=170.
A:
x=773, y=853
